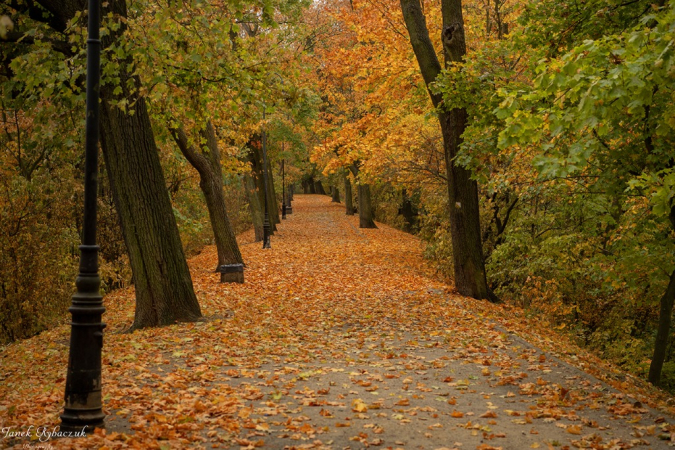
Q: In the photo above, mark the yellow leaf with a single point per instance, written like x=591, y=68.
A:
x=359, y=405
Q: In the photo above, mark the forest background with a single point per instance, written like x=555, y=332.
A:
x=568, y=139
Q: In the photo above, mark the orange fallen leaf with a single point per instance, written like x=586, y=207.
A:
x=574, y=429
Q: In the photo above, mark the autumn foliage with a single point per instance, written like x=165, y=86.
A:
x=568, y=141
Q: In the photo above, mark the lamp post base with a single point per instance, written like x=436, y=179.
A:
x=231, y=273
x=80, y=422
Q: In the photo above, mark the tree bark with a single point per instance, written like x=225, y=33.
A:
x=407, y=211
x=662, y=333
x=256, y=160
x=254, y=206
x=318, y=188
x=275, y=217
x=335, y=197
x=366, y=217
x=663, y=330
x=469, y=267
x=211, y=183
x=164, y=293
x=349, y=203
x=309, y=186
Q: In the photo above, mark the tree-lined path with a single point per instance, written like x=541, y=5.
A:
x=340, y=338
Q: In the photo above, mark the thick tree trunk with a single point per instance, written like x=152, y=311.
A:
x=349, y=202
x=662, y=333
x=467, y=251
x=308, y=186
x=254, y=206
x=335, y=197
x=469, y=267
x=256, y=160
x=164, y=293
x=318, y=188
x=366, y=217
x=407, y=211
x=211, y=182
x=275, y=217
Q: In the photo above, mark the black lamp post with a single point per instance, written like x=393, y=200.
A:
x=83, y=407
x=267, y=229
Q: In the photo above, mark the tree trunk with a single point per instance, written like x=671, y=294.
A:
x=318, y=188
x=256, y=160
x=211, y=182
x=335, y=198
x=349, y=203
x=289, y=206
x=662, y=333
x=365, y=207
x=254, y=206
x=366, y=216
x=469, y=267
x=408, y=212
x=164, y=293
x=275, y=217
x=226, y=242
x=467, y=250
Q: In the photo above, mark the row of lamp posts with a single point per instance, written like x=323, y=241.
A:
x=83, y=410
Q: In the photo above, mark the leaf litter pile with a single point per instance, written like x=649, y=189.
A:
x=340, y=338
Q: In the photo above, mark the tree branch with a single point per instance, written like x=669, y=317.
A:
x=424, y=50
x=196, y=159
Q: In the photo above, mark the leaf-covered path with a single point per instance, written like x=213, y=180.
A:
x=340, y=338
